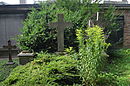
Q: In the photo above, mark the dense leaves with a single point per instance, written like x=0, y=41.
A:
x=119, y=65
x=92, y=53
x=6, y=69
x=46, y=70
x=36, y=34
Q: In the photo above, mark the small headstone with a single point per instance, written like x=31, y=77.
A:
x=60, y=25
x=10, y=47
x=25, y=57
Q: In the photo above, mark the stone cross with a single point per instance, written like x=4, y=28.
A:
x=60, y=25
x=9, y=47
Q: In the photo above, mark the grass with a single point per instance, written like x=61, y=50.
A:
x=6, y=69
x=121, y=67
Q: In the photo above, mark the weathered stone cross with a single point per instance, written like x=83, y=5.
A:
x=9, y=47
x=60, y=25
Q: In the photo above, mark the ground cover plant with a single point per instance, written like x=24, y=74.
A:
x=46, y=70
x=119, y=64
x=6, y=69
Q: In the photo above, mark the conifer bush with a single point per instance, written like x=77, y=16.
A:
x=46, y=70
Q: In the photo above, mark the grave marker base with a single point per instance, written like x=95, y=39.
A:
x=61, y=53
x=10, y=63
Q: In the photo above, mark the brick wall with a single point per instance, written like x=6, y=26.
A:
x=126, y=38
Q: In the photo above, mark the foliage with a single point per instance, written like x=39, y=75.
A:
x=109, y=21
x=6, y=69
x=111, y=79
x=91, y=48
x=119, y=65
x=109, y=17
x=113, y=29
x=70, y=50
x=107, y=79
x=46, y=70
x=53, y=70
x=36, y=34
x=119, y=53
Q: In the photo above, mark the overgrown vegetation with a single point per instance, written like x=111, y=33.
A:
x=112, y=28
x=84, y=68
x=37, y=36
x=92, y=54
x=6, y=69
x=119, y=65
x=46, y=70
x=87, y=66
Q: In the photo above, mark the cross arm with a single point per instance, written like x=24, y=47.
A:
x=68, y=24
x=53, y=25
x=5, y=46
x=14, y=46
x=9, y=46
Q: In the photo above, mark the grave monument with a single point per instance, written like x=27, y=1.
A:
x=9, y=47
x=60, y=25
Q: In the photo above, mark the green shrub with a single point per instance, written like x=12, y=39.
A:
x=36, y=34
x=123, y=81
x=91, y=52
x=111, y=79
x=107, y=79
x=5, y=70
x=119, y=53
x=46, y=70
x=119, y=65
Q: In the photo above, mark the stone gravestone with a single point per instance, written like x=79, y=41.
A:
x=60, y=25
x=9, y=47
x=25, y=57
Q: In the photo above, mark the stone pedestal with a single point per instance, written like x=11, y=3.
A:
x=61, y=53
x=10, y=63
x=25, y=57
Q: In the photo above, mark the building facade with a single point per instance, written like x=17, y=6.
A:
x=11, y=21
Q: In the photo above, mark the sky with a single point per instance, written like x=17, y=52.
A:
x=32, y=1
